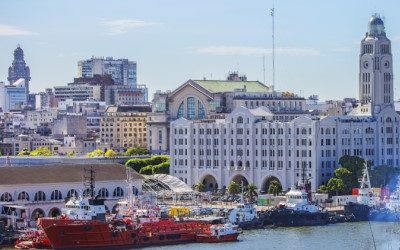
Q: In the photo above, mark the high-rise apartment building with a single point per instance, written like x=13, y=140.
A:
x=122, y=71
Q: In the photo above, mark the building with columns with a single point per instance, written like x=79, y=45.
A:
x=249, y=145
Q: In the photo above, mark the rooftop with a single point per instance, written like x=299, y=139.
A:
x=135, y=108
x=58, y=173
x=219, y=86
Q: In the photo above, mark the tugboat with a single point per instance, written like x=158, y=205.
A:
x=360, y=210
x=296, y=211
x=245, y=216
x=219, y=233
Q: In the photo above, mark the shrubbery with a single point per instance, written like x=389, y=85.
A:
x=154, y=165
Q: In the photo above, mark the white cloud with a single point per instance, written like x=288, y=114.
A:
x=8, y=30
x=122, y=26
x=255, y=51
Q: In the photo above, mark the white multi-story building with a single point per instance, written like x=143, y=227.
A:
x=249, y=145
x=122, y=71
x=78, y=92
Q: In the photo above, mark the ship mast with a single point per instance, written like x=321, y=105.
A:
x=89, y=181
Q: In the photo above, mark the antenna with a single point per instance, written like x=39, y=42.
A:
x=89, y=181
x=273, y=46
x=263, y=61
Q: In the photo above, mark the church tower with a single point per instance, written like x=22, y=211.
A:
x=376, y=68
x=18, y=69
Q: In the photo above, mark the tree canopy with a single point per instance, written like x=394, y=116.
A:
x=153, y=165
x=233, y=188
x=251, y=191
x=110, y=153
x=24, y=152
x=335, y=185
x=40, y=151
x=96, y=153
x=274, y=187
x=199, y=187
x=136, y=151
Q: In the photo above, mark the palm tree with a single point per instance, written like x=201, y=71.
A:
x=199, y=187
x=274, y=188
x=233, y=188
x=251, y=191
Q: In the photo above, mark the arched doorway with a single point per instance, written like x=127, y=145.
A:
x=271, y=185
x=37, y=213
x=240, y=179
x=54, y=212
x=210, y=183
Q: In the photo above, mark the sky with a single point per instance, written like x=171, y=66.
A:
x=317, y=42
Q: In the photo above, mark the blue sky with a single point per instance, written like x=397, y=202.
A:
x=173, y=41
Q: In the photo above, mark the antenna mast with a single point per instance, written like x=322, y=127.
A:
x=273, y=46
x=263, y=58
x=89, y=181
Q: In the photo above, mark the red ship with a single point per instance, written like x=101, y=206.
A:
x=95, y=234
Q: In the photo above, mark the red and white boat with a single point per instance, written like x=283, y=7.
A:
x=219, y=233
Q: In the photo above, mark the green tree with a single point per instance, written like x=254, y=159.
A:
x=162, y=168
x=233, y=188
x=24, y=152
x=148, y=170
x=96, y=153
x=335, y=185
x=70, y=154
x=199, y=187
x=40, y=151
x=251, y=191
x=110, y=153
x=355, y=165
x=347, y=177
x=136, y=164
x=274, y=187
x=136, y=151
x=322, y=189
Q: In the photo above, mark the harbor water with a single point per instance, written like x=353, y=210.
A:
x=343, y=236
x=331, y=237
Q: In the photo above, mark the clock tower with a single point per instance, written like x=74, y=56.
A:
x=376, y=69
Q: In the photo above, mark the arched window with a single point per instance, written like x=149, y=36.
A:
x=239, y=119
x=202, y=111
x=118, y=192
x=86, y=193
x=232, y=164
x=327, y=131
x=388, y=119
x=180, y=110
x=6, y=197
x=240, y=163
x=23, y=196
x=72, y=193
x=247, y=164
x=56, y=195
x=40, y=196
x=191, y=109
x=103, y=193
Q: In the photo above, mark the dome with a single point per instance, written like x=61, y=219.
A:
x=376, y=20
x=376, y=27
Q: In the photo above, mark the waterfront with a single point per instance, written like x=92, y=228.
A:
x=336, y=237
